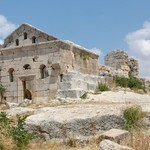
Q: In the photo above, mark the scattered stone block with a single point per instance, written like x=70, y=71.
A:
x=117, y=135
x=109, y=145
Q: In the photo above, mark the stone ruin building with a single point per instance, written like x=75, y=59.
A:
x=118, y=63
x=37, y=66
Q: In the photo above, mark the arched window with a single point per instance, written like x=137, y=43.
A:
x=33, y=39
x=11, y=76
x=25, y=35
x=43, y=71
x=17, y=42
x=27, y=66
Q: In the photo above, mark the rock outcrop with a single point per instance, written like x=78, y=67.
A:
x=80, y=120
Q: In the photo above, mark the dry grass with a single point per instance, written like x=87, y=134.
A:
x=6, y=142
x=140, y=141
x=59, y=146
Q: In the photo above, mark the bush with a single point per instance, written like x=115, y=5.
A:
x=16, y=134
x=101, y=87
x=135, y=83
x=132, y=116
x=131, y=82
x=20, y=135
x=4, y=120
x=121, y=81
x=84, y=96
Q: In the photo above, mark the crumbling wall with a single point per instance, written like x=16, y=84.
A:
x=85, y=62
x=121, y=64
x=133, y=65
x=75, y=58
x=146, y=83
x=111, y=71
x=116, y=59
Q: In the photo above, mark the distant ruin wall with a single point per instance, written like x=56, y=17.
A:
x=117, y=62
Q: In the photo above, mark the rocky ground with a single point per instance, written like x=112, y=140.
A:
x=82, y=118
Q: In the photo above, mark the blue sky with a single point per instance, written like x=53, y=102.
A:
x=100, y=25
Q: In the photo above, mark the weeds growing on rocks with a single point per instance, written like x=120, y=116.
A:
x=84, y=96
x=133, y=117
x=101, y=87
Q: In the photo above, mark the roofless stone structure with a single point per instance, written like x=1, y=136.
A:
x=121, y=64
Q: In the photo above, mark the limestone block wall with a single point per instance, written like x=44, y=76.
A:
x=75, y=58
x=21, y=68
x=74, y=84
x=116, y=58
x=85, y=62
x=26, y=63
x=30, y=32
x=119, y=61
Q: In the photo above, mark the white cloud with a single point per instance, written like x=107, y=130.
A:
x=139, y=46
x=99, y=52
x=6, y=28
x=96, y=50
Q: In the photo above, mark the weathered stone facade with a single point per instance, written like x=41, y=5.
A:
x=120, y=64
x=33, y=63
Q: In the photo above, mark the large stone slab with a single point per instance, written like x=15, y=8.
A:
x=118, y=136
x=109, y=145
x=80, y=120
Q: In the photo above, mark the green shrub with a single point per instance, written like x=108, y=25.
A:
x=17, y=133
x=102, y=87
x=20, y=135
x=121, y=81
x=132, y=116
x=4, y=120
x=84, y=96
x=135, y=83
x=131, y=82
